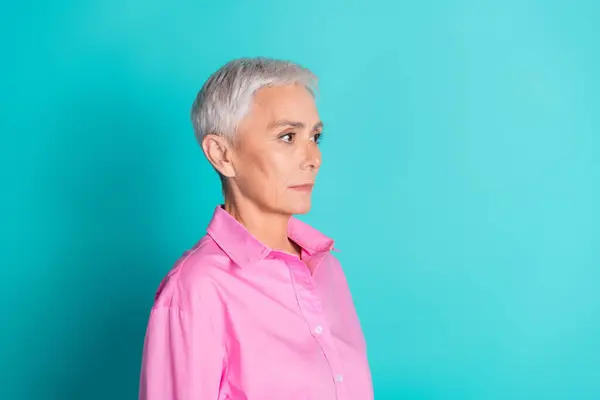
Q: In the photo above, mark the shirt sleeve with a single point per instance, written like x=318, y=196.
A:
x=183, y=357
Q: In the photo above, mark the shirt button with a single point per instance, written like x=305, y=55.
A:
x=319, y=329
x=339, y=378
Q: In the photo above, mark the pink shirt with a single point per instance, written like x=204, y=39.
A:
x=237, y=320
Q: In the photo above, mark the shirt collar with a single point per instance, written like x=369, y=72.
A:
x=244, y=249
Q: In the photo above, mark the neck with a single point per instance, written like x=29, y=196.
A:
x=268, y=227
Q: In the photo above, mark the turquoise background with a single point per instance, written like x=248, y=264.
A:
x=461, y=180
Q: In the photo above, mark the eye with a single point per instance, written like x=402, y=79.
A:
x=317, y=137
x=288, y=137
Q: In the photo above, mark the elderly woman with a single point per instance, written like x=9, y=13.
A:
x=259, y=308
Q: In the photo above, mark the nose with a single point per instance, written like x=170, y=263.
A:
x=312, y=157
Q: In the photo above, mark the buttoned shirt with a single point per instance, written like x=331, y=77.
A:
x=235, y=319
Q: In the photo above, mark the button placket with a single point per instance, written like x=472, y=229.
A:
x=313, y=312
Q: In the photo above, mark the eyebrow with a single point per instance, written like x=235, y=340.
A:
x=294, y=124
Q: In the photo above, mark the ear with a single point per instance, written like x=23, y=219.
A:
x=218, y=151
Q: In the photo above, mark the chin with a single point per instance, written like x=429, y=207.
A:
x=297, y=208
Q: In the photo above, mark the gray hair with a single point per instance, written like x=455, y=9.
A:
x=226, y=97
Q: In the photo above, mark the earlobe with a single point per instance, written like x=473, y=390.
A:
x=217, y=151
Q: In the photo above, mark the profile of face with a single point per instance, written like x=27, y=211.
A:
x=274, y=157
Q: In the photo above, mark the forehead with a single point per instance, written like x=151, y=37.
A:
x=293, y=102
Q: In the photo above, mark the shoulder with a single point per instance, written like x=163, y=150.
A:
x=195, y=277
x=330, y=268
x=333, y=262
x=332, y=258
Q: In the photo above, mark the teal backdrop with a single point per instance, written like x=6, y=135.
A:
x=461, y=181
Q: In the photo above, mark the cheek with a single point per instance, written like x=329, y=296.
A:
x=263, y=172
x=281, y=169
x=276, y=173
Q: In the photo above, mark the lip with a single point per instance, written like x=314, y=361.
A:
x=307, y=187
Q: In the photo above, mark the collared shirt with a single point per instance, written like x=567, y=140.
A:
x=237, y=320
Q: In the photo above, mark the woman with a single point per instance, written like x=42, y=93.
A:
x=259, y=308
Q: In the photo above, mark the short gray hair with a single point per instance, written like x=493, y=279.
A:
x=226, y=96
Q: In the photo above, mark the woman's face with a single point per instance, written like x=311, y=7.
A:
x=275, y=155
